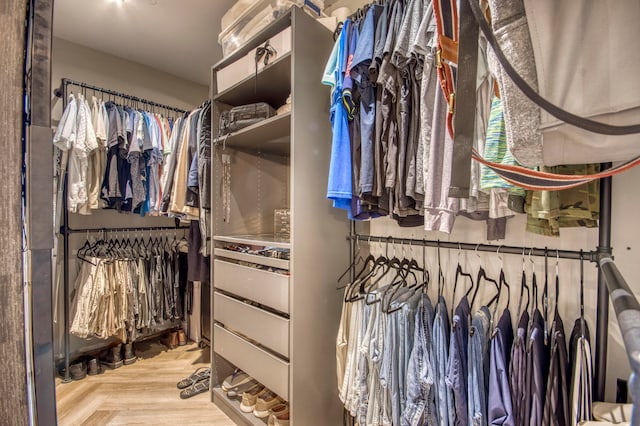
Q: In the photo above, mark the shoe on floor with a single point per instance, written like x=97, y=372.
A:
x=265, y=402
x=170, y=340
x=128, y=355
x=249, y=398
x=113, y=358
x=94, y=367
x=237, y=383
x=198, y=375
x=280, y=420
x=195, y=389
x=78, y=370
x=182, y=338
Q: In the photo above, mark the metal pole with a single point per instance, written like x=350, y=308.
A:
x=602, y=309
x=627, y=311
x=66, y=82
x=533, y=251
x=65, y=260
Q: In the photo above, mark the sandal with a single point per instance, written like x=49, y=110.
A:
x=198, y=375
x=195, y=389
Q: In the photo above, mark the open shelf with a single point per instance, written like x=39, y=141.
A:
x=252, y=258
x=262, y=240
x=271, y=85
x=271, y=30
x=231, y=407
x=272, y=135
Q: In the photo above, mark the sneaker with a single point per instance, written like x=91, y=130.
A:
x=278, y=411
x=279, y=420
x=265, y=402
x=237, y=383
x=250, y=397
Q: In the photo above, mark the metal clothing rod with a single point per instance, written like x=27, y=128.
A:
x=533, y=251
x=628, y=314
x=150, y=228
x=68, y=82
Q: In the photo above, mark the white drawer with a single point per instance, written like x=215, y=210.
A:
x=264, y=327
x=266, y=288
x=258, y=363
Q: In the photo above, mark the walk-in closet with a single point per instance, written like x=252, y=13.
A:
x=320, y=212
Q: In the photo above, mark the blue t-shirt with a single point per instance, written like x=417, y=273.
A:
x=339, y=186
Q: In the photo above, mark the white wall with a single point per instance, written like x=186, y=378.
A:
x=79, y=63
x=71, y=60
x=625, y=240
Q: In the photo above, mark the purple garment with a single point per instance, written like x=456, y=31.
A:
x=537, y=370
x=517, y=370
x=500, y=408
x=457, y=368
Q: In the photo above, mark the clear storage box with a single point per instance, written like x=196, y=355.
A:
x=247, y=17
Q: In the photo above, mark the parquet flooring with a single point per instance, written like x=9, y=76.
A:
x=143, y=393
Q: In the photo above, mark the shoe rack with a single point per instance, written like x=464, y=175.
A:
x=277, y=318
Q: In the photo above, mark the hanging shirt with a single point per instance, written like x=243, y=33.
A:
x=443, y=394
x=360, y=73
x=517, y=370
x=65, y=135
x=500, y=408
x=537, y=371
x=339, y=186
x=478, y=371
x=421, y=408
x=457, y=367
x=581, y=373
x=556, y=405
x=84, y=144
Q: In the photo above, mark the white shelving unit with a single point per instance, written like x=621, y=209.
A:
x=279, y=325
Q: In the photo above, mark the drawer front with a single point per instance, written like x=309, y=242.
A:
x=264, y=367
x=264, y=287
x=264, y=327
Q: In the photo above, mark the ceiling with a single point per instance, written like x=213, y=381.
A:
x=177, y=37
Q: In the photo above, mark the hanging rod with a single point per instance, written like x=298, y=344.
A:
x=140, y=229
x=67, y=82
x=529, y=251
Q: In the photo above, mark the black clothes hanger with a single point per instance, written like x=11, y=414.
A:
x=474, y=285
x=583, y=327
x=482, y=274
x=82, y=251
x=460, y=273
x=545, y=296
x=523, y=286
x=502, y=282
x=534, y=285
x=357, y=259
x=440, y=274
x=369, y=268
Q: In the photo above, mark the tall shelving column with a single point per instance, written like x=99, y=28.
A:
x=279, y=325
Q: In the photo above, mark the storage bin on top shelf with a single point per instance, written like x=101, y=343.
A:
x=247, y=17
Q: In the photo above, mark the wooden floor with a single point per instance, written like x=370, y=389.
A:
x=143, y=393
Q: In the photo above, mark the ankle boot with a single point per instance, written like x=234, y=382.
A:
x=170, y=340
x=182, y=337
x=113, y=358
x=128, y=354
x=93, y=367
x=78, y=371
